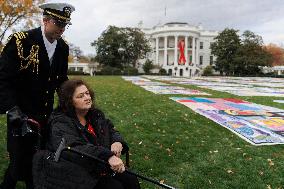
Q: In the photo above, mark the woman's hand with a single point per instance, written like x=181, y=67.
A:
x=116, y=164
x=116, y=148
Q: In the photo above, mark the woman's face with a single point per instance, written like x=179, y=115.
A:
x=82, y=100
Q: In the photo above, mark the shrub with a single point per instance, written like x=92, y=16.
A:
x=130, y=71
x=162, y=71
x=208, y=70
x=108, y=70
x=76, y=73
x=148, y=66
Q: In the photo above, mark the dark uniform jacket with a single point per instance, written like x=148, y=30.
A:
x=72, y=170
x=27, y=79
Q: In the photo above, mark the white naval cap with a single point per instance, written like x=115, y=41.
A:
x=60, y=11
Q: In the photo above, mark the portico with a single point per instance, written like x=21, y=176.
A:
x=180, y=49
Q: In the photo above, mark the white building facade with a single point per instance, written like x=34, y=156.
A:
x=85, y=68
x=79, y=67
x=279, y=70
x=181, y=49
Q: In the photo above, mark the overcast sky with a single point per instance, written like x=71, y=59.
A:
x=91, y=18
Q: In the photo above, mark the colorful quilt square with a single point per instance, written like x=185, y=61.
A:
x=257, y=124
x=243, y=107
x=203, y=100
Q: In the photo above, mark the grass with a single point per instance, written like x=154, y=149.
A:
x=171, y=143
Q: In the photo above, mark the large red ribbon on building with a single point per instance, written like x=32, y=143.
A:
x=181, y=59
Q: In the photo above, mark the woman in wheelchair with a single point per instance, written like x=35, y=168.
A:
x=85, y=129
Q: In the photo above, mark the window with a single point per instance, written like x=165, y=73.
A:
x=181, y=72
x=211, y=60
x=201, y=45
x=80, y=69
x=201, y=60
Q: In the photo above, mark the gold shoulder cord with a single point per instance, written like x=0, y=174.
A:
x=9, y=38
x=32, y=59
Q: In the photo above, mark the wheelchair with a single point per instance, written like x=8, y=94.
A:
x=51, y=171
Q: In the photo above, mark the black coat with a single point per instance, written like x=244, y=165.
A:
x=73, y=165
x=30, y=82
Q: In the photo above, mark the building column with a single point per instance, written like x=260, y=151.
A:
x=176, y=52
x=165, y=51
x=186, y=52
x=197, y=52
x=157, y=50
x=193, y=51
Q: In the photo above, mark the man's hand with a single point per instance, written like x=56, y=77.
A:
x=116, y=148
x=15, y=117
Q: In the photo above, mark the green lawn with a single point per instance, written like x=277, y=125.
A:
x=170, y=142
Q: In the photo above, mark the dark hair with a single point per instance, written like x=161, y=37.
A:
x=66, y=93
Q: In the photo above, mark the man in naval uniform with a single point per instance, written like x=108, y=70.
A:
x=33, y=65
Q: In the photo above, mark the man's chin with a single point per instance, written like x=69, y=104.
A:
x=57, y=36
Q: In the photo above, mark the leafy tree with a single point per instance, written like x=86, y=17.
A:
x=107, y=46
x=137, y=46
x=277, y=54
x=148, y=66
x=251, y=55
x=15, y=12
x=237, y=55
x=224, y=48
x=121, y=47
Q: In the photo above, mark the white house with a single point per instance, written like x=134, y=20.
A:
x=181, y=49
